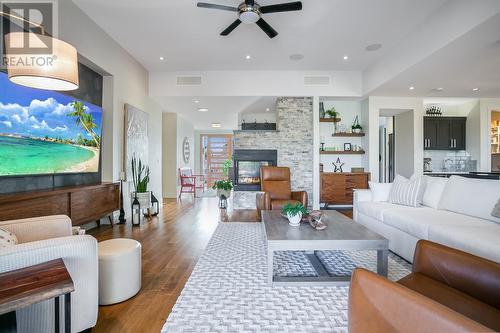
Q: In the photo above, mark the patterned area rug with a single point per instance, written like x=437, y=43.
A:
x=227, y=291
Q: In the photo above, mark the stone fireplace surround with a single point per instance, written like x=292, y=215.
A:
x=293, y=141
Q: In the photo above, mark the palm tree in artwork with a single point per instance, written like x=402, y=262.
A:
x=85, y=120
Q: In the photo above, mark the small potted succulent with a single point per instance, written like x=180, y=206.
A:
x=356, y=127
x=294, y=213
x=223, y=188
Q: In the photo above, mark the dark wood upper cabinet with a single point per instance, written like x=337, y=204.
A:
x=444, y=133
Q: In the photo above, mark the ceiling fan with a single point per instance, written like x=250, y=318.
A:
x=250, y=11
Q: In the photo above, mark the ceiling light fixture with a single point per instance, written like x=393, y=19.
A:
x=196, y=101
x=475, y=89
x=60, y=73
x=248, y=57
x=202, y=109
x=439, y=89
x=411, y=88
x=216, y=125
x=268, y=109
x=346, y=57
x=373, y=47
x=162, y=58
x=296, y=56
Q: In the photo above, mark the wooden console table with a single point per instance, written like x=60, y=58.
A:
x=34, y=284
x=82, y=204
x=337, y=187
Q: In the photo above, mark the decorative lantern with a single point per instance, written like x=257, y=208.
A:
x=122, y=218
x=155, y=205
x=136, y=212
x=222, y=202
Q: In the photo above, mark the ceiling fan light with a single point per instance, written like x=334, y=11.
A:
x=249, y=17
x=57, y=70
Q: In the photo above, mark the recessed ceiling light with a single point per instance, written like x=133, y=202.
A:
x=296, y=56
x=268, y=109
x=202, y=109
x=439, y=89
x=411, y=87
x=162, y=58
x=373, y=47
x=216, y=125
x=196, y=101
x=346, y=57
x=475, y=89
x=248, y=57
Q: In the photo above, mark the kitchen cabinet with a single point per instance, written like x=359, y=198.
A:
x=444, y=133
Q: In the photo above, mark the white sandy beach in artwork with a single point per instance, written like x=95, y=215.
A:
x=90, y=165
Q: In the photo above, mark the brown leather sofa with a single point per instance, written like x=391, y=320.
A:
x=447, y=291
x=276, y=188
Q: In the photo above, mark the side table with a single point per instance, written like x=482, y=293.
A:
x=26, y=286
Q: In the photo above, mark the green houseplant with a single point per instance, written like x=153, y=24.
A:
x=223, y=187
x=356, y=127
x=332, y=113
x=294, y=213
x=140, y=178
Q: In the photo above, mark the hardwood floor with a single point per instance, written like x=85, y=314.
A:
x=171, y=245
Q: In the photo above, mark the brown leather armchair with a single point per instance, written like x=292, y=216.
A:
x=275, y=185
x=447, y=291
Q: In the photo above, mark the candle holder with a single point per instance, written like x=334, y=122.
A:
x=122, y=218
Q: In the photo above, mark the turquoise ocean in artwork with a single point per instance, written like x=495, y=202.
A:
x=21, y=156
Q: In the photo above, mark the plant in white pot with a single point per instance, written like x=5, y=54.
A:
x=140, y=177
x=294, y=213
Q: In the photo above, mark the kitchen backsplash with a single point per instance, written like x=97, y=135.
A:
x=448, y=161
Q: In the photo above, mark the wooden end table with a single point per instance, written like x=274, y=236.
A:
x=26, y=286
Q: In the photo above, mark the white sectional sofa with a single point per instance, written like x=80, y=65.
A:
x=456, y=212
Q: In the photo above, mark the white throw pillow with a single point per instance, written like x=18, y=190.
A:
x=407, y=192
x=380, y=191
x=7, y=238
x=471, y=196
x=434, y=187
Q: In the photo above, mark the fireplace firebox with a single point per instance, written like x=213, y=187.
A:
x=246, y=168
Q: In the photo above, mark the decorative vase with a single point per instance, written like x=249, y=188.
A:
x=356, y=130
x=226, y=193
x=294, y=220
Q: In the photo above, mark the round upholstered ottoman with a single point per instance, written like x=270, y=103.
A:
x=119, y=270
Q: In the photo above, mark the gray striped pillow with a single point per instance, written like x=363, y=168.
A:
x=407, y=192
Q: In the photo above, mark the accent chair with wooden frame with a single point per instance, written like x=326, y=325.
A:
x=190, y=183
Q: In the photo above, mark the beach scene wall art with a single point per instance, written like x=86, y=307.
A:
x=46, y=132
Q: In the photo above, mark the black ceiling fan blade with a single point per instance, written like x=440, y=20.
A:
x=213, y=6
x=233, y=26
x=267, y=28
x=249, y=2
x=282, y=7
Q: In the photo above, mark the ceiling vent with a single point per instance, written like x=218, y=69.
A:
x=188, y=80
x=316, y=80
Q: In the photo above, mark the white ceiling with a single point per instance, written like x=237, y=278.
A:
x=324, y=31
x=223, y=109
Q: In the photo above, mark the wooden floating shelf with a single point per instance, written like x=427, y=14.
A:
x=348, y=134
x=341, y=152
x=329, y=120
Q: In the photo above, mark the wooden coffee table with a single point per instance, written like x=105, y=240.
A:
x=341, y=233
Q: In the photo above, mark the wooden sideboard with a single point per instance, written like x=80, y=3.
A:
x=82, y=204
x=337, y=187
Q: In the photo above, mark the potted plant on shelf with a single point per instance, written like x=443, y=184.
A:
x=356, y=127
x=332, y=113
x=294, y=213
x=223, y=188
x=140, y=177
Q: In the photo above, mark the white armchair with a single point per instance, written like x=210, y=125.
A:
x=46, y=238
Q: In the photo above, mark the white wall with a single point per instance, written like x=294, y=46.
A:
x=169, y=147
x=404, y=137
x=473, y=132
x=127, y=83
x=486, y=105
x=185, y=129
x=377, y=103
